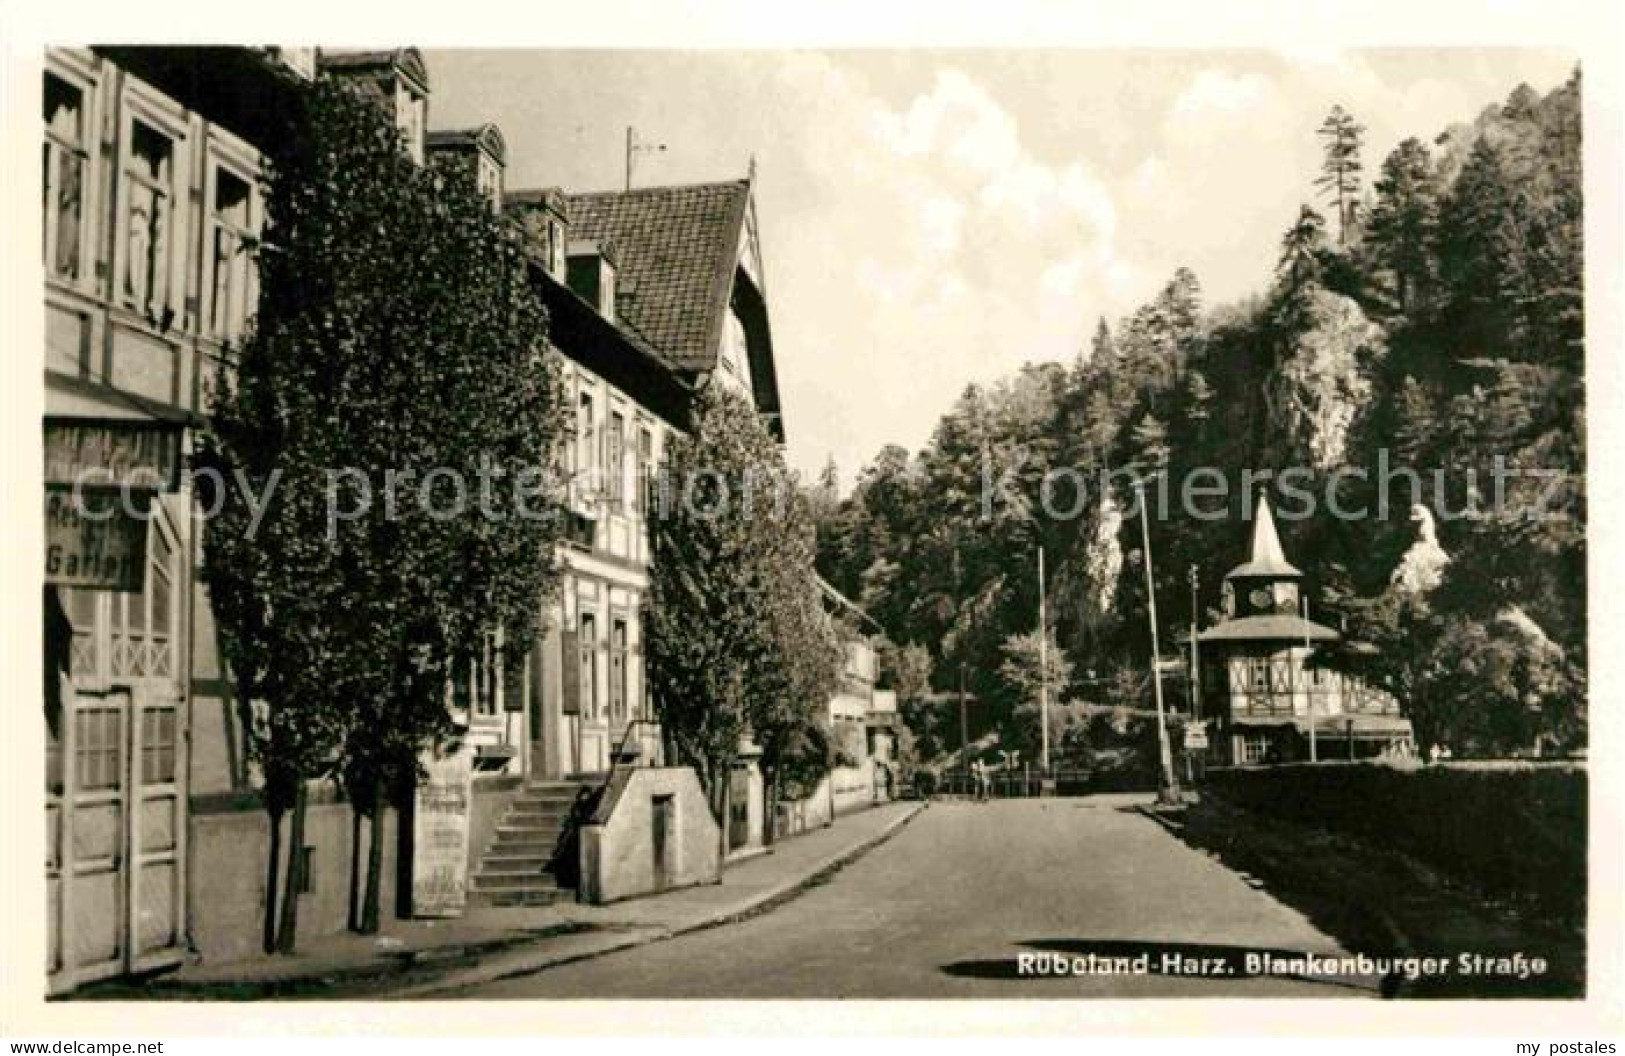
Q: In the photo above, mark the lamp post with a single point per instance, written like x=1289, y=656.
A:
x=1168, y=792
x=1043, y=672
x=1309, y=690
x=1196, y=667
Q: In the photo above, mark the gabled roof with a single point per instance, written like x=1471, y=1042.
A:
x=408, y=62
x=621, y=358
x=487, y=137
x=1268, y=629
x=679, y=248
x=1266, y=558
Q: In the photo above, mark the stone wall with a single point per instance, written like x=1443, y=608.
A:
x=226, y=889
x=617, y=846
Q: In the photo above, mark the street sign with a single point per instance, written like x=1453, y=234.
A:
x=92, y=542
x=1195, y=737
x=112, y=454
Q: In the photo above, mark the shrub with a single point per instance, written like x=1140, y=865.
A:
x=1509, y=829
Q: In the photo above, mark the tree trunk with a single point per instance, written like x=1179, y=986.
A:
x=354, y=921
x=268, y=936
x=288, y=926
x=375, y=861
x=726, y=789
x=770, y=800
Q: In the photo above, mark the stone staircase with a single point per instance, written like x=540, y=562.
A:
x=516, y=869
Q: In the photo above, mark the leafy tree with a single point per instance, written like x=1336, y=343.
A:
x=906, y=670
x=738, y=644
x=397, y=334
x=1025, y=677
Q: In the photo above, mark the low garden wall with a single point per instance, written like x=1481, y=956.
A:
x=1505, y=828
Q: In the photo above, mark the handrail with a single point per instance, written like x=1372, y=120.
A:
x=620, y=749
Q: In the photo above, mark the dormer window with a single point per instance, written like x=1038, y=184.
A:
x=300, y=60
x=555, y=249
x=397, y=79
x=411, y=111
x=590, y=272
x=606, y=291
x=489, y=179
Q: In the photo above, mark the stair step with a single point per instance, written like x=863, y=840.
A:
x=525, y=842
x=499, y=861
x=532, y=829
x=532, y=815
x=516, y=898
x=484, y=881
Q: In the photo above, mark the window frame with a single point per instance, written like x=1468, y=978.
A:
x=587, y=644
x=140, y=102
x=79, y=73
x=620, y=653
x=412, y=119
x=645, y=466
x=224, y=151
x=615, y=456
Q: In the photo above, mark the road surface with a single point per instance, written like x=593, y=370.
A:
x=949, y=905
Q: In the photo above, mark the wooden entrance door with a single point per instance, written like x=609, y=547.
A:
x=116, y=778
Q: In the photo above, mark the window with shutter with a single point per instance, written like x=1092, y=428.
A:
x=516, y=680
x=588, y=653
x=570, y=672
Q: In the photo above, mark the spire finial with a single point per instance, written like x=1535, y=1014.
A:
x=1266, y=543
x=1266, y=558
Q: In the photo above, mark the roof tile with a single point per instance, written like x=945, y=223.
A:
x=677, y=249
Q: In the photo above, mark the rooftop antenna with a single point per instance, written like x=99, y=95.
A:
x=634, y=148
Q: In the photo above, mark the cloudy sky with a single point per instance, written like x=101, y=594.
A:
x=931, y=218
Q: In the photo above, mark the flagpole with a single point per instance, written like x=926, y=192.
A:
x=1309, y=690
x=1169, y=792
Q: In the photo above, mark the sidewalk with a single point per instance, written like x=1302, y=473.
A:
x=421, y=958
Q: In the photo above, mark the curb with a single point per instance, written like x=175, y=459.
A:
x=1175, y=827
x=756, y=905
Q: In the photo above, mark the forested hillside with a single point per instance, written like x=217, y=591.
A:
x=1429, y=315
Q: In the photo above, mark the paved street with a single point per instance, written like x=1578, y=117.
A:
x=945, y=907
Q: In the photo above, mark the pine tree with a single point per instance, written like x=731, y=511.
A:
x=1301, y=247
x=1339, y=180
x=1404, y=219
x=1479, y=250
x=1149, y=442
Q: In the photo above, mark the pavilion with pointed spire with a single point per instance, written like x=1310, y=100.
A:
x=1261, y=685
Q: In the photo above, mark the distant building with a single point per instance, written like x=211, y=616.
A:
x=1262, y=682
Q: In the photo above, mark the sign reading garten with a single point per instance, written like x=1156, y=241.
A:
x=91, y=542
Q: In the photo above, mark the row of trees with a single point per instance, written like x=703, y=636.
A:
x=739, y=643
x=397, y=334
x=399, y=356
x=1440, y=330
